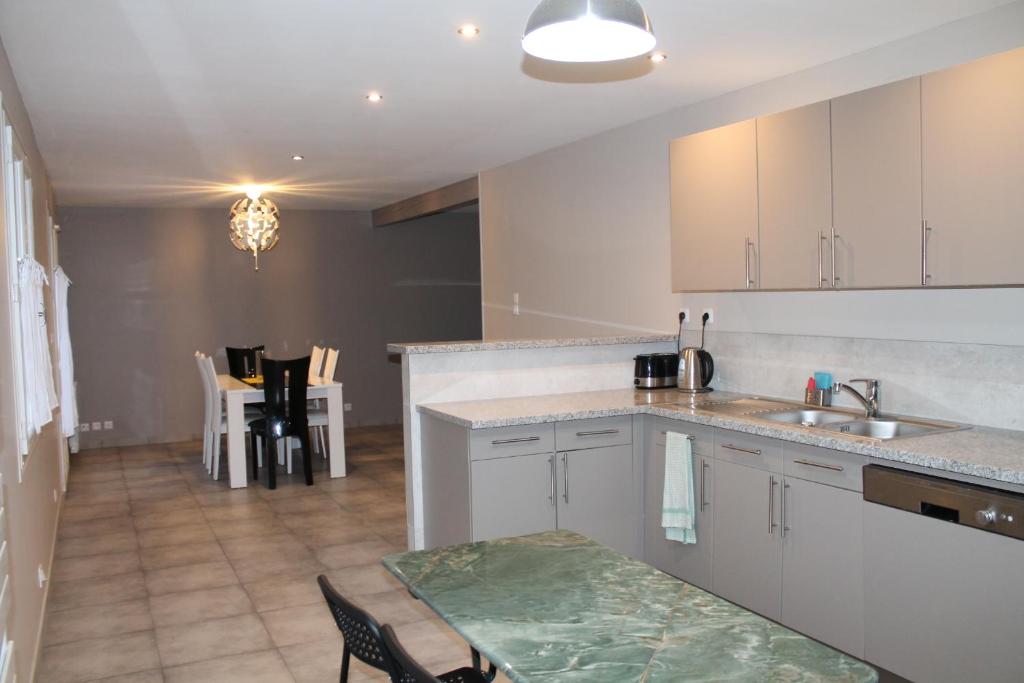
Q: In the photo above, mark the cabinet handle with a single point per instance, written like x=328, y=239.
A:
x=821, y=267
x=551, y=474
x=565, y=476
x=689, y=437
x=751, y=451
x=925, y=233
x=522, y=439
x=782, y=517
x=771, y=506
x=822, y=465
x=703, y=467
x=747, y=244
x=598, y=432
x=835, y=277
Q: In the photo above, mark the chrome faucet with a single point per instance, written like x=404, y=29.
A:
x=869, y=399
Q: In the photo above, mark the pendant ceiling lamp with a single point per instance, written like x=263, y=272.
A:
x=254, y=225
x=588, y=30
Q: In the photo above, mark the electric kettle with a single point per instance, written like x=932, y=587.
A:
x=696, y=368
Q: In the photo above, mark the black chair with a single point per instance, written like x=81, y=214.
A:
x=405, y=669
x=284, y=395
x=243, y=362
x=362, y=637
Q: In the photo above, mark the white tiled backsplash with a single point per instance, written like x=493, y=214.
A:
x=974, y=383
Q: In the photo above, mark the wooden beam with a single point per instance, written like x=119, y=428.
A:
x=442, y=199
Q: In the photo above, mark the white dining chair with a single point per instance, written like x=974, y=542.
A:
x=217, y=422
x=207, y=410
x=318, y=416
x=316, y=361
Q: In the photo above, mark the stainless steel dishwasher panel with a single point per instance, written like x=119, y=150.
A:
x=944, y=600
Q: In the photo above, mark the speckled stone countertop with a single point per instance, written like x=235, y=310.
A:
x=509, y=344
x=987, y=453
x=559, y=607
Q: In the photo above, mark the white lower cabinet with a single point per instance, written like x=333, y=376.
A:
x=594, y=496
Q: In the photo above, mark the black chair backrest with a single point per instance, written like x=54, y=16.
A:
x=279, y=375
x=243, y=362
x=404, y=669
x=360, y=631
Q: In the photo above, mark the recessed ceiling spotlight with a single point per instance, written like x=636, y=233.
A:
x=469, y=31
x=657, y=57
x=374, y=97
x=297, y=157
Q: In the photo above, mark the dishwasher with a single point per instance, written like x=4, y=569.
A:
x=943, y=578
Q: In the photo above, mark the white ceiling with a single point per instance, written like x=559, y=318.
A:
x=164, y=102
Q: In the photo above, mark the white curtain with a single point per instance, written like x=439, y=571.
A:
x=68, y=402
x=39, y=390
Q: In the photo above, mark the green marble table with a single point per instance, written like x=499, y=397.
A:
x=557, y=606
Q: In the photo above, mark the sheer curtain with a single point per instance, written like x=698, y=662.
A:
x=68, y=401
x=40, y=393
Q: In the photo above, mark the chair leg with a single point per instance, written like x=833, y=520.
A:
x=289, y=448
x=323, y=443
x=216, y=456
x=206, y=445
x=316, y=444
x=307, y=457
x=271, y=462
x=344, y=664
x=259, y=453
x=254, y=439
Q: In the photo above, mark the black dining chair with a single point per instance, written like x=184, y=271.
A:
x=362, y=637
x=284, y=396
x=405, y=669
x=244, y=362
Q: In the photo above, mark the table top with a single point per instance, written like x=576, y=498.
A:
x=229, y=383
x=557, y=606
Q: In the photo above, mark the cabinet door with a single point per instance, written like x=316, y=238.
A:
x=794, y=195
x=876, y=185
x=513, y=496
x=596, y=496
x=714, y=209
x=689, y=562
x=822, y=569
x=747, y=568
x=973, y=144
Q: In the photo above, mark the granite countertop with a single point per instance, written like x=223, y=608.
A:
x=510, y=344
x=557, y=606
x=984, y=452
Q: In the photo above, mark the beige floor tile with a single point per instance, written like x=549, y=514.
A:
x=363, y=580
x=171, y=504
x=252, y=570
x=318, y=502
x=95, y=527
x=85, y=488
x=432, y=643
x=255, y=667
x=351, y=554
x=176, y=535
x=251, y=548
x=164, y=556
x=94, y=566
x=226, y=496
x=247, y=528
x=97, y=455
x=343, y=484
x=340, y=533
x=74, y=498
x=97, y=658
x=190, y=577
x=101, y=591
x=238, y=511
x=394, y=607
x=277, y=592
x=161, y=491
x=170, y=518
x=302, y=624
x=93, y=474
x=320, y=661
x=285, y=488
x=202, y=605
x=96, y=621
x=154, y=676
x=209, y=639
x=119, y=542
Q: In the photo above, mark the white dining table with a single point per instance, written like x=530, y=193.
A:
x=237, y=393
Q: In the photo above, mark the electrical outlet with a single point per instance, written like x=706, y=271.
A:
x=711, y=315
x=515, y=303
x=84, y=427
x=97, y=426
x=108, y=424
x=348, y=407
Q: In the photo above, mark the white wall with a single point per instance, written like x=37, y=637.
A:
x=581, y=232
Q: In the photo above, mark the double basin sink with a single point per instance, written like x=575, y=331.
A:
x=838, y=421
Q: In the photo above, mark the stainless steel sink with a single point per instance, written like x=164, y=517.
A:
x=807, y=418
x=890, y=429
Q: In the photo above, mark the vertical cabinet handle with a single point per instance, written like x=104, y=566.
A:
x=771, y=505
x=704, y=466
x=565, y=476
x=551, y=474
x=747, y=244
x=782, y=517
x=821, y=261
x=925, y=234
x=835, y=276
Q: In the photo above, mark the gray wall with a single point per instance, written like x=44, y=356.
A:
x=150, y=286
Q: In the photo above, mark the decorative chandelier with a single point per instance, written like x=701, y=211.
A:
x=588, y=30
x=254, y=225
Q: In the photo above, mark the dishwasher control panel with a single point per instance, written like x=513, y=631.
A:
x=981, y=507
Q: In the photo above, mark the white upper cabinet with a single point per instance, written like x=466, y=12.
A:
x=794, y=198
x=973, y=163
x=714, y=209
x=876, y=184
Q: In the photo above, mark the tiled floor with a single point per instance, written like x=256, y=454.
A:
x=163, y=574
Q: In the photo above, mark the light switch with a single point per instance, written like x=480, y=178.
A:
x=108, y=424
x=97, y=426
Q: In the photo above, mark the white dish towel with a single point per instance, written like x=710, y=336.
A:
x=677, y=508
